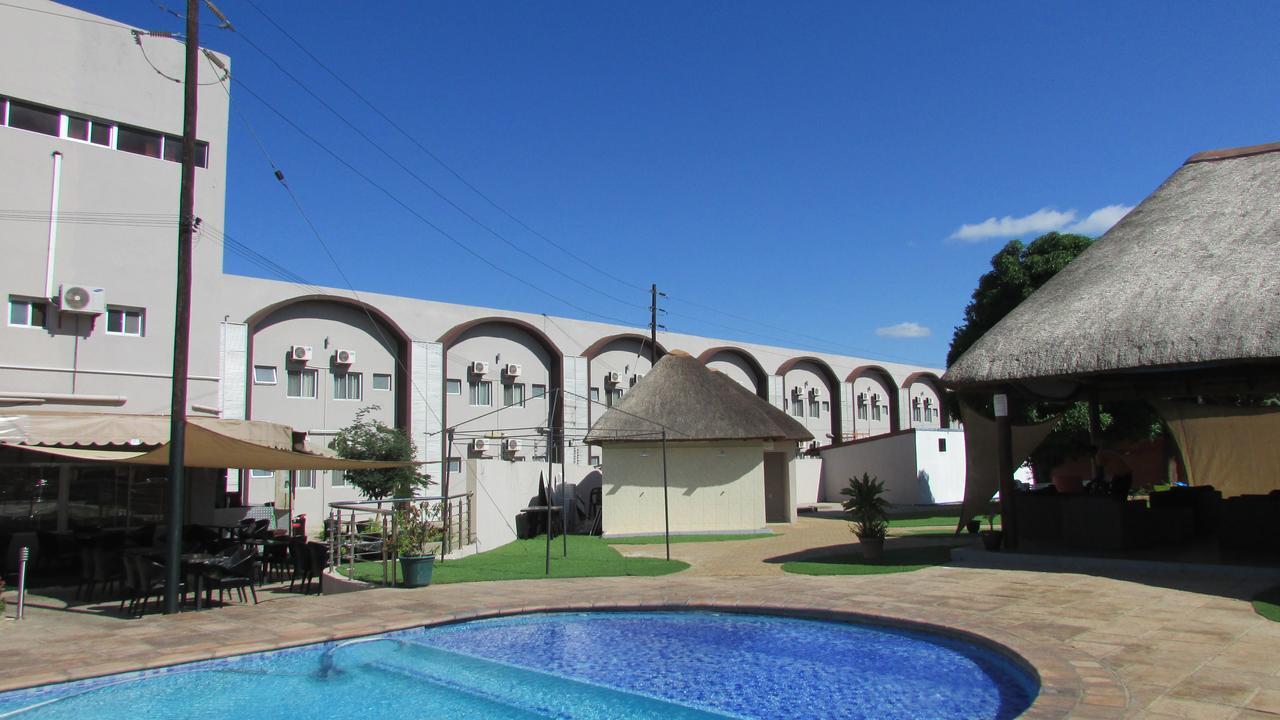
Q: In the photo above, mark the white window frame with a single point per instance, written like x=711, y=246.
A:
x=344, y=380
x=304, y=479
x=255, y=473
x=474, y=391
x=815, y=409
x=509, y=395
x=533, y=391
x=30, y=304
x=453, y=386
x=302, y=373
x=454, y=465
x=594, y=395
x=374, y=382
x=338, y=478
x=65, y=130
x=124, y=312
x=275, y=375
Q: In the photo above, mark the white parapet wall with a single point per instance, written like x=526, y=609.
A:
x=808, y=480
x=917, y=467
x=501, y=489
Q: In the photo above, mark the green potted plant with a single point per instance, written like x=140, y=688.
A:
x=417, y=540
x=991, y=537
x=867, y=510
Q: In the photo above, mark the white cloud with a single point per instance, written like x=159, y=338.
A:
x=1042, y=221
x=1100, y=220
x=904, y=330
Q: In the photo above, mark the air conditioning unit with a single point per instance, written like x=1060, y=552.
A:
x=82, y=299
x=797, y=391
x=613, y=378
x=816, y=393
x=479, y=445
x=511, y=445
x=512, y=370
x=636, y=378
x=343, y=357
x=479, y=367
x=300, y=353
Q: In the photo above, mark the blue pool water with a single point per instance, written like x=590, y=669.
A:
x=574, y=665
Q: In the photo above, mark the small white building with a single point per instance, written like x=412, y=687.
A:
x=918, y=466
x=728, y=458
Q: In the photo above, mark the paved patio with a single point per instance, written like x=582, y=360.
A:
x=1105, y=647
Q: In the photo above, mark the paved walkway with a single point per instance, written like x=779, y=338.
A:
x=1105, y=647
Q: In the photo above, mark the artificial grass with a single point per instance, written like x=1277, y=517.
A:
x=526, y=559
x=851, y=562
x=1267, y=603
x=660, y=540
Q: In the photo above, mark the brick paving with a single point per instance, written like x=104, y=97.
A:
x=1104, y=647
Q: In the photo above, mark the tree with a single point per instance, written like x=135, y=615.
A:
x=369, y=439
x=1018, y=270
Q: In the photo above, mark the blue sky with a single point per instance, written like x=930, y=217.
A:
x=826, y=175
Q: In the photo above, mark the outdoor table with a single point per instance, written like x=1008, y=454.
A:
x=193, y=565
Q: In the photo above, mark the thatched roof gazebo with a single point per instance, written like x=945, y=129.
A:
x=728, y=454
x=1181, y=299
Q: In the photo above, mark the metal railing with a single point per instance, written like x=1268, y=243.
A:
x=367, y=530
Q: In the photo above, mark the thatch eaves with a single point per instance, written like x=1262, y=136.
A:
x=1188, y=278
x=692, y=403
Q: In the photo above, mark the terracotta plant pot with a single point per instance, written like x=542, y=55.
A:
x=872, y=548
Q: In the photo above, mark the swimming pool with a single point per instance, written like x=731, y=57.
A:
x=575, y=665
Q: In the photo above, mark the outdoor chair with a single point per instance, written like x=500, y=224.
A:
x=240, y=571
x=151, y=582
x=298, y=559
x=317, y=560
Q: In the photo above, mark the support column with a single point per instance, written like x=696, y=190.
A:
x=1004, y=470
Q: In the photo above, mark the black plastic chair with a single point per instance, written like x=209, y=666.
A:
x=238, y=572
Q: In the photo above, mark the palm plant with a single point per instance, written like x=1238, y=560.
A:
x=866, y=506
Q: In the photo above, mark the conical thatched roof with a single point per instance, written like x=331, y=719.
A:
x=694, y=403
x=1189, y=277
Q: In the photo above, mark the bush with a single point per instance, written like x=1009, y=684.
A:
x=866, y=506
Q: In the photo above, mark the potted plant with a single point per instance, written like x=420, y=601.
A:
x=991, y=537
x=974, y=525
x=417, y=540
x=867, y=510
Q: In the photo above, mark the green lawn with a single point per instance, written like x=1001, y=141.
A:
x=1267, y=604
x=931, y=521
x=526, y=559
x=659, y=540
x=850, y=562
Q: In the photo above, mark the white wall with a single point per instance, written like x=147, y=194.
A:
x=891, y=458
x=944, y=470
x=708, y=492
x=501, y=489
x=808, y=475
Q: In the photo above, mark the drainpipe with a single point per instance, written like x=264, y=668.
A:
x=54, y=195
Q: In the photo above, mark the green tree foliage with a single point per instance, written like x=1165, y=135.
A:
x=866, y=506
x=1018, y=270
x=369, y=439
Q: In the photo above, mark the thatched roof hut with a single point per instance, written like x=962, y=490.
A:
x=1187, y=280
x=693, y=403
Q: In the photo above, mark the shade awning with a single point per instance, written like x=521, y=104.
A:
x=210, y=443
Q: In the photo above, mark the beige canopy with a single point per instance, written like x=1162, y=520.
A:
x=210, y=442
x=1234, y=449
x=981, y=480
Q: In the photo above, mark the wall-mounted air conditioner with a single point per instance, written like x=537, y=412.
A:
x=816, y=393
x=479, y=445
x=479, y=368
x=636, y=378
x=512, y=370
x=82, y=299
x=300, y=353
x=511, y=445
x=612, y=378
x=343, y=357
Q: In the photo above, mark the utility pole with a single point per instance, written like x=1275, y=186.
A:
x=653, y=323
x=182, y=313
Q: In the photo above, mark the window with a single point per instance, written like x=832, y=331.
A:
x=785, y=404
x=797, y=408
x=942, y=444
x=455, y=465
x=814, y=408
x=480, y=394
x=26, y=313
x=826, y=407
x=346, y=385
x=305, y=478
x=929, y=413
x=595, y=395
x=173, y=151
x=33, y=118
x=453, y=387
x=513, y=394
x=915, y=409
x=875, y=407
x=86, y=130
x=139, y=142
x=538, y=391
x=614, y=396
x=337, y=478
x=381, y=381
x=122, y=321
x=262, y=473
x=264, y=374
x=301, y=384
x=862, y=406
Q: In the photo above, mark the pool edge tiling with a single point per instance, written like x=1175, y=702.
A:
x=1067, y=676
